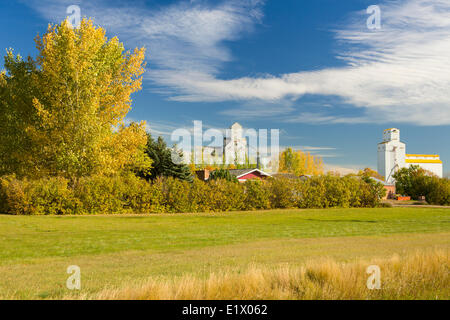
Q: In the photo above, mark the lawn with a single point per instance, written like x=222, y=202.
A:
x=118, y=250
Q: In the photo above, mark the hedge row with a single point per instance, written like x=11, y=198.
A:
x=129, y=194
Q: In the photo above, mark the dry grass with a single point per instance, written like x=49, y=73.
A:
x=422, y=275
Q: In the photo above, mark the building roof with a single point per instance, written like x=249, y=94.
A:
x=381, y=181
x=285, y=175
x=242, y=172
x=422, y=161
x=423, y=155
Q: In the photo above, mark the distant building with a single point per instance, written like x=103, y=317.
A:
x=235, y=146
x=389, y=187
x=234, y=149
x=241, y=174
x=247, y=174
x=392, y=157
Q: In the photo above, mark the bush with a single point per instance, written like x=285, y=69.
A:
x=130, y=194
x=438, y=191
x=256, y=195
x=284, y=192
x=415, y=182
x=43, y=196
x=176, y=195
x=225, y=195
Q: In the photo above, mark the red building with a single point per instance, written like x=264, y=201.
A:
x=246, y=174
x=241, y=174
x=389, y=187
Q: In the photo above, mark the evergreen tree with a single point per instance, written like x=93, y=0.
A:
x=222, y=174
x=162, y=164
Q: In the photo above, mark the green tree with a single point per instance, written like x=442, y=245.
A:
x=162, y=163
x=370, y=173
x=63, y=112
x=415, y=181
x=411, y=181
x=222, y=174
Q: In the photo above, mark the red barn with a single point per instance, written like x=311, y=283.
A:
x=246, y=174
x=241, y=174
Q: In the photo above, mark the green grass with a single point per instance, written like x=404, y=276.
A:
x=111, y=250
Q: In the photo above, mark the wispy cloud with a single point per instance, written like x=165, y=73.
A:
x=343, y=169
x=323, y=152
x=185, y=41
x=398, y=73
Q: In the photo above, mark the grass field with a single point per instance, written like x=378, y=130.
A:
x=116, y=252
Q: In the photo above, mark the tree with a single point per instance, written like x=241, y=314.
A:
x=377, y=188
x=222, y=174
x=371, y=173
x=162, y=164
x=63, y=113
x=411, y=181
x=416, y=181
x=300, y=163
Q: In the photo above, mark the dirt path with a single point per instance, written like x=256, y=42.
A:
x=414, y=204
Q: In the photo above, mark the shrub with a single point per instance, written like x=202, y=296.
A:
x=225, y=195
x=14, y=198
x=338, y=191
x=38, y=197
x=284, y=192
x=438, y=191
x=256, y=195
x=313, y=192
x=127, y=193
x=100, y=194
x=176, y=194
x=200, y=196
x=415, y=182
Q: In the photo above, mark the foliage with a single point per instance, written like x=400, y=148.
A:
x=163, y=165
x=222, y=174
x=284, y=192
x=410, y=181
x=377, y=188
x=438, y=191
x=44, y=196
x=256, y=195
x=62, y=114
x=300, y=163
x=415, y=182
x=371, y=173
x=127, y=193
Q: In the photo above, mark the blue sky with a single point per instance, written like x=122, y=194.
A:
x=309, y=68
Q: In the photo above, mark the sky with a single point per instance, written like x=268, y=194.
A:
x=316, y=70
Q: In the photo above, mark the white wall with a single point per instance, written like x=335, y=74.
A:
x=392, y=152
x=435, y=168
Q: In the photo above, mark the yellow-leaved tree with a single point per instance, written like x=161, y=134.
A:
x=63, y=113
x=300, y=163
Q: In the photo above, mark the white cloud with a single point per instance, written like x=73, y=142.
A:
x=400, y=73
x=343, y=169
